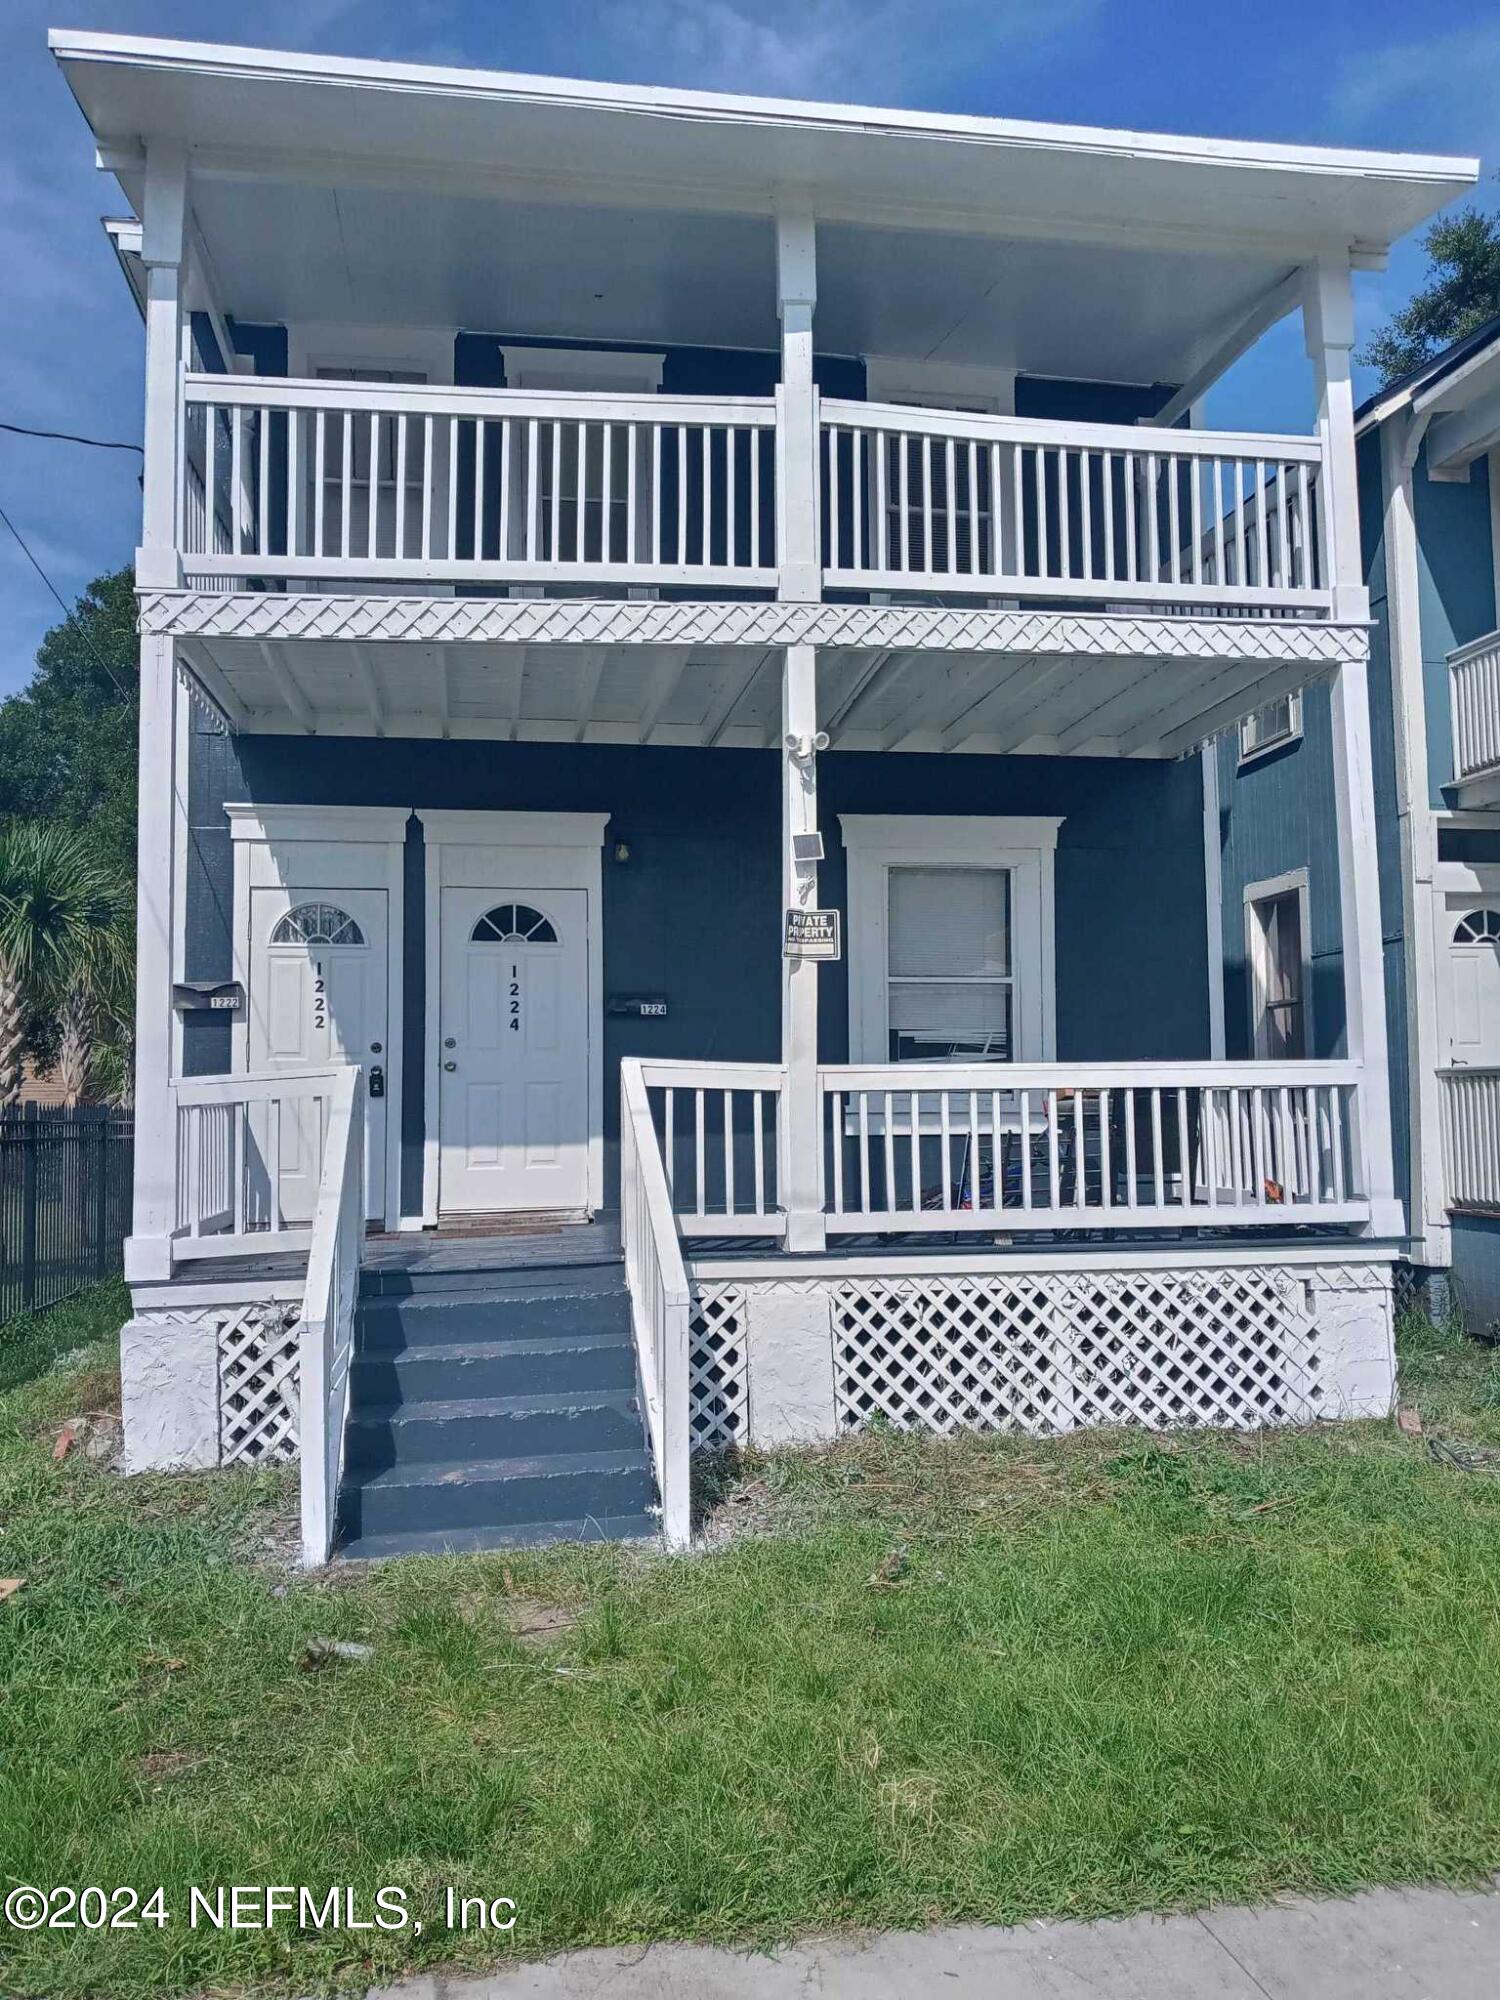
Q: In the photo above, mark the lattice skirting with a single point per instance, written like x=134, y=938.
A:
x=258, y=1384
x=718, y=1408
x=211, y=1384
x=1239, y=1346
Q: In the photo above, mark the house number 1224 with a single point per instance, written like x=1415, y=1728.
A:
x=515, y=1000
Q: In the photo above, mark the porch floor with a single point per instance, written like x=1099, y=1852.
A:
x=466, y=1248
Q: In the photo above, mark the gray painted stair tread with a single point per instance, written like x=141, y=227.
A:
x=486, y=1471
x=476, y=1541
x=485, y=1348
x=432, y=1409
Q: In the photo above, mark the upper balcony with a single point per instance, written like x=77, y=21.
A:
x=293, y=484
x=1012, y=327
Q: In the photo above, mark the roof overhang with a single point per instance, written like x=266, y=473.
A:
x=1454, y=408
x=401, y=121
x=891, y=677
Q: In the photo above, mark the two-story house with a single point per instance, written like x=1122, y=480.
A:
x=1429, y=488
x=680, y=901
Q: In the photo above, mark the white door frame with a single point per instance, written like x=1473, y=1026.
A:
x=526, y=850
x=363, y=845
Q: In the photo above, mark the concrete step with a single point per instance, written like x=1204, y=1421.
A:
x=602, y=1486
x=474, y=1541
x=490, y=1427
x=564, y=1363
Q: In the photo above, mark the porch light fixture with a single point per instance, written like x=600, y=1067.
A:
x=622, y=850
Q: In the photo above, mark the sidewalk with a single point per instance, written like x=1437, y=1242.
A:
x=1389, y=1944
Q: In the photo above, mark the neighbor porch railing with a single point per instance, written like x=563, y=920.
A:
x=326, y=1330
x=327, y=479
x=660, y=1301
x=1474, y=689
x=1010, y=506
x=1471, y=1137
x=250, y=1152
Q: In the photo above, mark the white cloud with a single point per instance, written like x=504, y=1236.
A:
x=1440, y=92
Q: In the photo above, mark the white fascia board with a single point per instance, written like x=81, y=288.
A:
x=1418, y=183
x=1450, y=392
x=725, y=107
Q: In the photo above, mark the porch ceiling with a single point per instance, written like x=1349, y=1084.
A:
x=729, y=696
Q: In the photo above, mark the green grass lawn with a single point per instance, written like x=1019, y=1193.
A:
x=978, y=1680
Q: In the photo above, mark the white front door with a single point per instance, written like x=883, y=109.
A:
x=318, y=995
x=513, y=1028
x=1472, y=983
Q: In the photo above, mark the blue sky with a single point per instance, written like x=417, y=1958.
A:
x=1376, y=73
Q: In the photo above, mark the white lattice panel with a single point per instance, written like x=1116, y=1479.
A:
x=258, y=1403
x=718, y=1394
x=1235, y=1346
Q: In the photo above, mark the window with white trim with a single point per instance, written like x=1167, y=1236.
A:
x=950, y=938
x=949, y=975
x=1270, y=726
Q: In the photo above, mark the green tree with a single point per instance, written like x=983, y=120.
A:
x=67, y=740
x=1462, y=292
x=65, y=948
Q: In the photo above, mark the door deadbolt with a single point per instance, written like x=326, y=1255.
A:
x=449, y=1043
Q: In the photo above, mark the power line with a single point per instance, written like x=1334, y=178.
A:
x=71, y=437
x=67, y=610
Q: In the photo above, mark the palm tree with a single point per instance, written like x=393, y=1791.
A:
x=64, y=945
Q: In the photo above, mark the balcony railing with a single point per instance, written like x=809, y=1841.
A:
x=1474, y=687
x=292, y=480
x=362, y=481
x=945, y=501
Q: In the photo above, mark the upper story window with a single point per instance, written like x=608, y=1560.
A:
x=1270, y=726
x=599, y=369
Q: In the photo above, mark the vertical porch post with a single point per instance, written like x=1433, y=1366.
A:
x=148, y=1254
x=797, y=411
x=1328, y=320
x=801, y=1120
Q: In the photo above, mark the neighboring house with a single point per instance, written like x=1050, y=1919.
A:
x=673, y=633
x=1429, y=473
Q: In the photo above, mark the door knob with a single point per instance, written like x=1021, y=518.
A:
x=450, y=1065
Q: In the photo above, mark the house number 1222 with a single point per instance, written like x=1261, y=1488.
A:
x=320, y=1001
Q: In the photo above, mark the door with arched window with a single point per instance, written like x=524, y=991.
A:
x=1472, y=986
x=513, y=1024
x=317, y=994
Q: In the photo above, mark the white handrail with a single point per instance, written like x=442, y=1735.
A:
x=240, y=1141
x=326, y=1331
x=1474, y=693
x=1471, y=1137
x=718, y=1126
x=912, y=1147
x=957, y=502
x=660, y=1302
x=290, y=479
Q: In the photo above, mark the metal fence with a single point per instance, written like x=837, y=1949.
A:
x=65, y=1183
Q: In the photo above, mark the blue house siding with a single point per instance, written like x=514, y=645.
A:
x=695, y=912
x=1276, y=814
x=1476, y=1271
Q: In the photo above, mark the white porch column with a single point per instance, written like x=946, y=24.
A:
x=148, y=1253
x=801, y=1121
x=1401, y=440
x=797, y=478
x=1328, y=319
